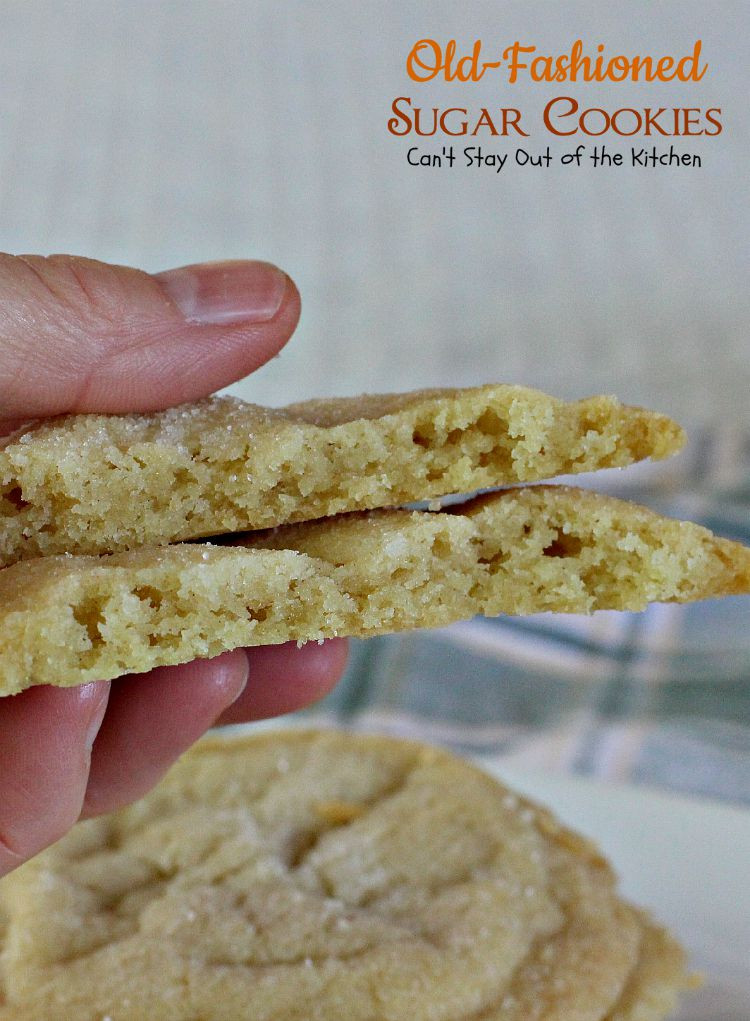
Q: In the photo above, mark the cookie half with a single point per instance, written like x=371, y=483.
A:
x=100, y=484
x=66, y=620
x=327, y=876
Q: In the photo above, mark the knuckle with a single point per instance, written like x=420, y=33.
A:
x=77, y=290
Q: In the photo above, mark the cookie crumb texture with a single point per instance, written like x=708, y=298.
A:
x=67, y=620
x=227, y=895
x=100, y=484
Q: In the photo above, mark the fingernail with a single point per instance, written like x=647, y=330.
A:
x=222, y=293
x=98, y=693
x=247, y=676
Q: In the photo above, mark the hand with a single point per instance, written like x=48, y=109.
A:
x=76, y=336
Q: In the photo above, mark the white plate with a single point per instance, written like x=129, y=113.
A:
x=687, y=861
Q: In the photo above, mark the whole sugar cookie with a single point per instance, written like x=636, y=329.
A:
x=324, y=876
x=100, y=484
x=67, y=620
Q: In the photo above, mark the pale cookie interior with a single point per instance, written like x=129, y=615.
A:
x=229, y=893
x=66, y=620
x=99, y=484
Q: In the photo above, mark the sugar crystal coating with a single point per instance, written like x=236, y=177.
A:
x=99, y=484
x=234, y=892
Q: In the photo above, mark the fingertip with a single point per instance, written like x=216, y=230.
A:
x=286, y=677
x=322, y=663
x=45, y=741
x=151, y=720
x=94, y=698
x=228, y=674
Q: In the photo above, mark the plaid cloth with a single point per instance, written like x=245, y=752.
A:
x=661, y=697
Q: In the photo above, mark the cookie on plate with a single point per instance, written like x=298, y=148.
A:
x=100, y=484
x=67, y=620
x=317, y=876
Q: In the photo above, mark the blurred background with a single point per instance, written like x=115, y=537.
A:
x=157, y=133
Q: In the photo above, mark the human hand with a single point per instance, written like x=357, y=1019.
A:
x=76, y=336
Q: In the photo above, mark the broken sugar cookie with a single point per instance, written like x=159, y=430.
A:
x=100, y=484
x=67, y=620
x=231, y=893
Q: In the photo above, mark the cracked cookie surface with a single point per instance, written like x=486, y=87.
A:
x=318, y=876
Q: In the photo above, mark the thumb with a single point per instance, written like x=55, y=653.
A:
x=80, y=335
